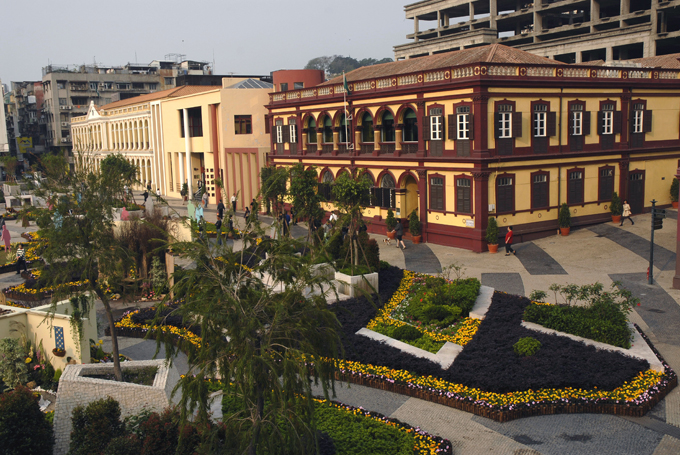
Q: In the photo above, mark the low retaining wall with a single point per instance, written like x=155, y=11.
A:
x=76, y=390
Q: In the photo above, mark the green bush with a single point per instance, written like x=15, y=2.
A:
x=13, y=368
x=406, y=333
x=564, y=216
x=390, y=221
x=414, y=223
x=527, y=346
x=124, y=445
x=615, y=206
x=355, y=434
x=24, y=430
x=492, y=232
x=95, y=426
x=674, y=190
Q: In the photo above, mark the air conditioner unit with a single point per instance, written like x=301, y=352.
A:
x=69, y=107
x=64, y=140
x=64, y=123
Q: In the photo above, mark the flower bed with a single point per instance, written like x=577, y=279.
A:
x=30, y=253
x=485, y=379
x=29, y=293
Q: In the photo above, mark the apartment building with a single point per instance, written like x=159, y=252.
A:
x=570, y=31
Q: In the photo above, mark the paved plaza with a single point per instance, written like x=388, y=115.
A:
x=602, y=253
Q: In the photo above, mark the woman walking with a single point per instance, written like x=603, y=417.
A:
x=626, y=213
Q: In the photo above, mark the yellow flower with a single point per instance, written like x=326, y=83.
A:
x=29, y=360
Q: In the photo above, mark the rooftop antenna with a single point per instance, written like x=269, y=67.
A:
x=135, y=56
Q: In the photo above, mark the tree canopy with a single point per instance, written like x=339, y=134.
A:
x=334, y=65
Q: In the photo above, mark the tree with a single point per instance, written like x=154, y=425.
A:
x=24, y=430
x=349, y=192
x=304, y=194
x=83, y=244
x=269, y=336
x=274, y=187
x=10, y=164
x=334, y=65
x=320, y=63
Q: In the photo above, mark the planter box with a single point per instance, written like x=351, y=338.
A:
x=76, y=390
x=350, y=285
x=324, y=269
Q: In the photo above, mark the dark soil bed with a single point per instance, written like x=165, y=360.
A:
x=488, y=362
x=141, y=376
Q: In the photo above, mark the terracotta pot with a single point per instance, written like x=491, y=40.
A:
x=616, y=218
x=493, y=248
x=391, y=235
x=416, y=239
x=674, y=204
x=565, y=231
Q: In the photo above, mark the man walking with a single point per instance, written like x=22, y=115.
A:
x=626, y=213
x=21, y=259
x=220, y=209
x=233, y=203
x=508, y=242
x=399, y=229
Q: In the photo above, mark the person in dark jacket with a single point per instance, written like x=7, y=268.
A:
x=218, y=227
x=399, y=234
x=220, y=209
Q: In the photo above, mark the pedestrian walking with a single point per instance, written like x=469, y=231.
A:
x=399, y=231
x=246, y=214
x=206, y=196
x=148, y=186
x=286, y=224
x=293, y=216
x=233, y=202
x=146, y=196
x=218, y=227
x=158, y=195
x=508, y=242
x=21, y=259
x=201, y=228
x=626, y=213
x=220, y=209
x=6, y=237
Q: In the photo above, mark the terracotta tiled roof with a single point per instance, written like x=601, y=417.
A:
x=169, y=93
x=494, y=53
x=670, y=61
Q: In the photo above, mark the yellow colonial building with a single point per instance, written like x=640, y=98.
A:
x=489, y=132
x=188, y=134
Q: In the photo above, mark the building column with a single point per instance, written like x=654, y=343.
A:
x=422, y=151
x=422, y=202
x=472, y=10
x=216, y=148
x=480, y=145
x=187, y=146
x=623, y=177
x=493, y=12
x=594, y=13
x=181, y=170
x=480, y=208
x=415, y=29
x=610, y=54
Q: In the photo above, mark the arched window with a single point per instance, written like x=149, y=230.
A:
x=384, y=196
x=410, y=126
x=387, y=181
x=343, y=128
x=327, y=130
x=311, y=131
x=387, y=127
x=326, y=185
x=367, y=128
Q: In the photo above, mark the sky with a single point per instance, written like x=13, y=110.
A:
x=242, y=37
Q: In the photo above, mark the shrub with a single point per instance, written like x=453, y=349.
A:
x=564, y=217
x=674, y=190
x=538, y=295
x=527, y=346
x=13, y=368
x=615, y=207
x=95, y=426
x=492, y=232
x=435, y=312
x=414, y=223
x=160, y=434
x=406, y=333
x=124, y=445
x=24, y=430
x=390, y=221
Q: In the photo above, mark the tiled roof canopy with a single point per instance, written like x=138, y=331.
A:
x=169, y=93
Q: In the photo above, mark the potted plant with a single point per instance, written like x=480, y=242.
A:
x=616, y=208
x=59, y=352
x=564, y=219
x=184, y=191
x=414, y=227
x=391, y=223
x=674, y=193
x=492, y=235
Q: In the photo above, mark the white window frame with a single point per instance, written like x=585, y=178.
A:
x=293, y=134
x=279, y=134
x=577, y=123
x=505, y=127
x=540, y=120
x=462, y=126
x=436, y=127
x=638, y=116
x=608, y=121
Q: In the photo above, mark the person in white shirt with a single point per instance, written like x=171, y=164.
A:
x=233, y=202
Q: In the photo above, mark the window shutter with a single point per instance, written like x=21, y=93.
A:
x=426, y=127
x=516, y=124
x=497, y=125
x=599, y=122
x=452, y=127
x=286, y=133
x=571, y=123
x=617, y=122
x=267, y=128
x=472, y=130
x=586, y=123
x=443, y=127
x=551, y=127
x=647, y=122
